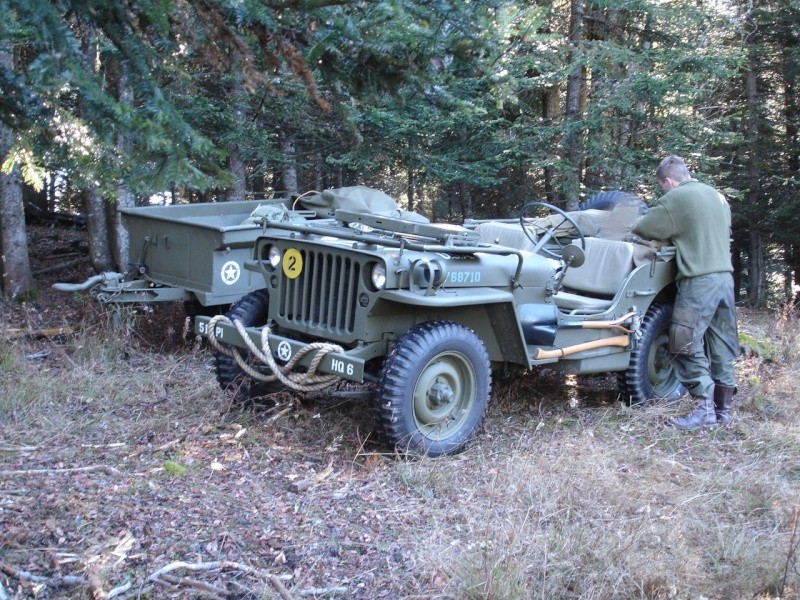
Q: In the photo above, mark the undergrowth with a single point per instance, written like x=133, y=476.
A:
x=565, y=493
x=609, y=502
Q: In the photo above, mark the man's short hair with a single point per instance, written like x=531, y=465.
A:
x=674, y=168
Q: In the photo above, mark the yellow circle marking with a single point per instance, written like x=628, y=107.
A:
x=292, y=263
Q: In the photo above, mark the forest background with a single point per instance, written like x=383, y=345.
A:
x=119, y=464
x=457, y=108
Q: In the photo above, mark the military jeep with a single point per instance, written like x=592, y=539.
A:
x=424, y=313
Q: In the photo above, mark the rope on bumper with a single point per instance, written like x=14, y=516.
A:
x=310, y=381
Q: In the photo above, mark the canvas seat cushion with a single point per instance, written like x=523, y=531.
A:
x=594, y=284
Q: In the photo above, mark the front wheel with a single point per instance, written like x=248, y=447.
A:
x=651, y=374
x=252, y=311
x=433, y=389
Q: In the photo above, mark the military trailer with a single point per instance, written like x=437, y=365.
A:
x=193, y=253
x=422, y=314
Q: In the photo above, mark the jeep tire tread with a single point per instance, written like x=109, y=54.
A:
x=433, y=389
x=252, y=311
x=650, y=375
x=608, y=200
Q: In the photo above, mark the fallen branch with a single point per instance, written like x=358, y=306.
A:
x=323, y=591
x=282, y=591
x=105, y=468
x=119, y=590
x=277, y=416
x=16, y=333
x=96, y=587
x=209, y=566
x=306, y=484
x=66, y=265
x=169, y=445
x=53, y=582
x=104, y=446
x=793, y=545
x=161, y=575
x=64, y=255
x=162, y=448
x=193, y=583
x=18, y=448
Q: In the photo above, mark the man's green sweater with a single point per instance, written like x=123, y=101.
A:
x=697, y=220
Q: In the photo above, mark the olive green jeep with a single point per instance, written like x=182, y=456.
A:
x=425, y=313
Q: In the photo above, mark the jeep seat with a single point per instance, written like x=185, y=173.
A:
x=592, y=286
x=504, y=234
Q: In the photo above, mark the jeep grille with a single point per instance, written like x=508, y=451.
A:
x=324, y=296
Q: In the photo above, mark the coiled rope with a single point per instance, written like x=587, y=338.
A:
x=310, y=381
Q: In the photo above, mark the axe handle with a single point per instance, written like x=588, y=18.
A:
x=618, y=340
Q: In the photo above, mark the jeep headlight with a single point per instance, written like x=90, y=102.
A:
x=378, y=275
x=274, y=257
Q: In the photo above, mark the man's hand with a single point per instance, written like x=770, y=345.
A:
x=635, y=239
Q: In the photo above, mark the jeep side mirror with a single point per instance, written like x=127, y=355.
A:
x=571, y=256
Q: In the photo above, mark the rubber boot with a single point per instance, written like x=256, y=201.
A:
x=703, y=415
x=723, y=400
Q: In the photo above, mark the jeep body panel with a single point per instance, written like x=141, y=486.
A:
x=486, y=289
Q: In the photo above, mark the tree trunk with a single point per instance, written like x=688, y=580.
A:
x=419, y=195
x=792, y=118
x=289, y=167
x=238, y=168
x=465, y=193
x=239, y=97
x=756, y=296
x=410, y=189
x=17, y=276
x=50, y=183
x=339, y=176
x=16, y=268
x=572, y=137
x=641, y=107
x=794, y=253
x=319, y=172
x=736, y=259
x=125, y=197
x=551, y=107
x=120, y=237
x=258, y=185
x=97, y=226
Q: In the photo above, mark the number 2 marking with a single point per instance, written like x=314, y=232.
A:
x=292, y=263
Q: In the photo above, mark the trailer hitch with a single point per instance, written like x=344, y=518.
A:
x=107, y=278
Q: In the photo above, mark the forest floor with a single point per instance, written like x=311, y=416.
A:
x=125, y=472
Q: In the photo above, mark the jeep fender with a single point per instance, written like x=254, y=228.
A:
x=489, y=312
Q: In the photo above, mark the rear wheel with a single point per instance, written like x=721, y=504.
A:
x=611, y=199
x=193, y=309
x=433, y=390
x=650, y=375
x=252, y=311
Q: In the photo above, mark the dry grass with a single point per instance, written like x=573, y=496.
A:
x=565, y=494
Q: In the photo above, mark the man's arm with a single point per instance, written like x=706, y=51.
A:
x=657, y=224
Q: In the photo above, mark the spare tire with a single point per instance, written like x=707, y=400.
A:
x=609, y=200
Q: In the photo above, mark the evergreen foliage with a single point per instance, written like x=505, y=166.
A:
x=460, y=106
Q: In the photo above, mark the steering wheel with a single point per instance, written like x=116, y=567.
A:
x=529, y=228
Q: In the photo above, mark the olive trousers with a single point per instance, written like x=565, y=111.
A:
x=703, y=336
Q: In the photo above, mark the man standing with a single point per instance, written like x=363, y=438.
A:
x=697, y=220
